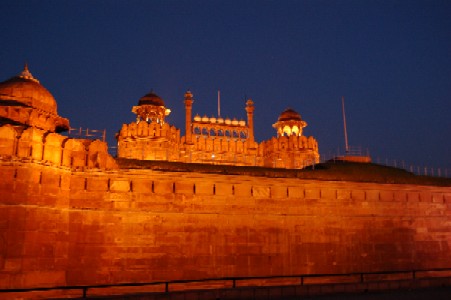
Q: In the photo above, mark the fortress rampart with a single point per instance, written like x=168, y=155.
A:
x=66, y=227
x=71, y=214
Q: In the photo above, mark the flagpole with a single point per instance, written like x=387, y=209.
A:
x=344, y=123
x=219, y=103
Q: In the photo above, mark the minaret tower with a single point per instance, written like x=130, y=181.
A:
x=188, y=112
x=250, y=120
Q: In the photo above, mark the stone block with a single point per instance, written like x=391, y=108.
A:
x=77, y=183
x=242, y=190
x=222, y=189
x=97, y=184
x=438, y=198
x=204, y=188
x=65, y=182
x=386, y=195
x=164, y=187
x=312, y=193
x=139, y=185
x=413, y=196
x=343, y=194
x=50, y=178
x=261, y=192
x=44, y=278
x=400, y=196
x=121, y=205
x=280, y=192
x=425, y=196
x=184, y=187
x=330, y=194
x=119, y=185
x=7, y=174
x=296, y=192
x=447, y=197
x=30, y=175
x=358, y=195
x=372, y=195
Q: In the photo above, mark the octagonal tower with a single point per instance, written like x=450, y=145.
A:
x=290, y=149
x=150, y=137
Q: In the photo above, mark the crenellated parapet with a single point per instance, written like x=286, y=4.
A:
x=292, y=152
x=221, y=150
x=152, y=130
x=149, y=141
x=37, y=145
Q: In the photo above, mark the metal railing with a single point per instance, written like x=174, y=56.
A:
x=86, y=133
x=265, y=281
x=423, y=170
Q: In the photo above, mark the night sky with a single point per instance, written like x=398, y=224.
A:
x=391, y=60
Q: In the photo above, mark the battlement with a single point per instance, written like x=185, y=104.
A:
x=53, y=148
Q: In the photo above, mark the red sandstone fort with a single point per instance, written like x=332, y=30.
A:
x=71, y=214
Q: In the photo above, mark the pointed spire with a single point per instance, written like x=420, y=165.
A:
x=26, y=74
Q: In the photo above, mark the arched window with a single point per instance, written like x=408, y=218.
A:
x=287, y=130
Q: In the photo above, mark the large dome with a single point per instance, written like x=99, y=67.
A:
x=151, y=99
x=25, y=90
x=289, y=115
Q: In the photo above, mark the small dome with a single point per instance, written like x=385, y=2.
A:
x=220, y=120
x=289, y=115
x=234, y=121
x=26, y=90
x=205, y=119
x=151, y=99
x=213, y=120
x=197, y=118
x=242, y=123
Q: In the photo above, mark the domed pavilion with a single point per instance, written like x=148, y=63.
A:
x=24, y=102
x=289, y=123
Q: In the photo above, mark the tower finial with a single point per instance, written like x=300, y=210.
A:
x=26, y=74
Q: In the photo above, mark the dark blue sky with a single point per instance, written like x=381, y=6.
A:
x=390, y=59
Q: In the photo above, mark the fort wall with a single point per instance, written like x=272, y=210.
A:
x=64, y=227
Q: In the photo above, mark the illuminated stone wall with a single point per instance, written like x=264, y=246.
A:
x=62, y=227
